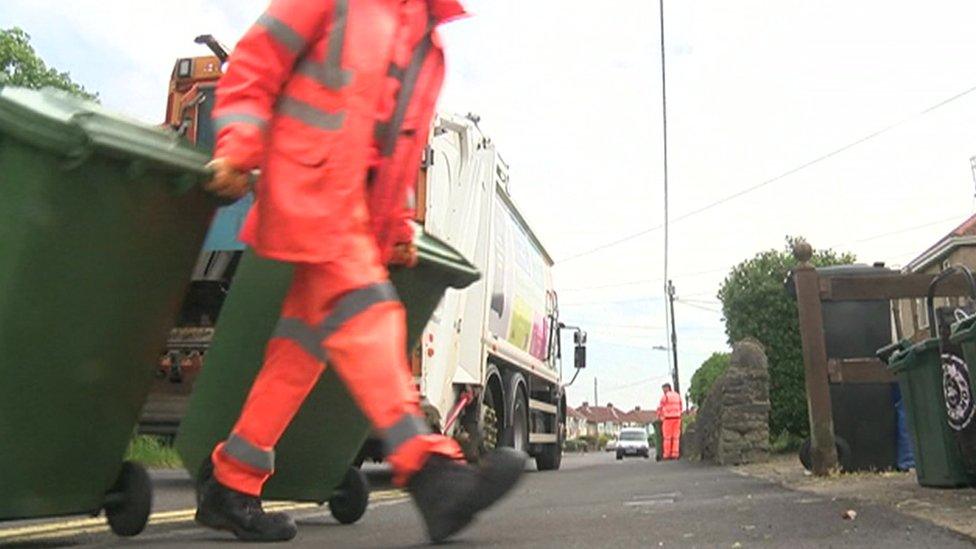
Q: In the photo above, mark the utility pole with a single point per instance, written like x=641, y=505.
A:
x=596, y=395
x=674, y=338
x=669, y=287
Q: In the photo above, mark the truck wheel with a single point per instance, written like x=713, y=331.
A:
x=490, y=425
x=129, y=502
x=551, y=456
x=519, y=436
x=351, y=498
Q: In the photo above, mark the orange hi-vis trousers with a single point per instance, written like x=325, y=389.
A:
x=671, y=428
x=347, y=314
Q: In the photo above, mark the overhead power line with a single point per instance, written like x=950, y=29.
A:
x=879, y=236
x=770, y=181
x=702, y=307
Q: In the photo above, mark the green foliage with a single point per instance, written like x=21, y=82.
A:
x=785, y=443
x=601, y=442
x=153, y=452
x=576, y=445
x=755, y=304
x=590, y=441
x=21, y=66
x=705, y=376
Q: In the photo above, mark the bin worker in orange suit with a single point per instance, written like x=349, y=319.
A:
x=669, y=412
x=332, y=100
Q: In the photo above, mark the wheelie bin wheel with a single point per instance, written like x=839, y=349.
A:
x=129, y=502
x=843, y=454
x=351, y=498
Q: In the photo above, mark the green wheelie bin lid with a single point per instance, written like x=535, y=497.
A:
x=964, y=331
x=101, y=223
x=322, y=441
x=939, y=462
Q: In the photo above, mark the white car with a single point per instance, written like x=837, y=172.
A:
x=633, y=442
x=611, y=445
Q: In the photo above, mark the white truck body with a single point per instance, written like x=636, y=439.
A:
x=502, y=326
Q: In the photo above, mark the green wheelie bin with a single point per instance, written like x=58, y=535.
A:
x=313, y=459
x=658, y=440
x=921, y=371
x=957, y=382
x=101, y=222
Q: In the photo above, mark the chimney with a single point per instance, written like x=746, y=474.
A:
x=585, y=405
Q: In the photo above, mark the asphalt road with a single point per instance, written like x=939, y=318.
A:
x=594, y=501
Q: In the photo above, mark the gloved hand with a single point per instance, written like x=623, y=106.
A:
x=228, y=181
x=404, y=254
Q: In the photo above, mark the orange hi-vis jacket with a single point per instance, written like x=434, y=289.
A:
x=670, y=406
x=317, y=94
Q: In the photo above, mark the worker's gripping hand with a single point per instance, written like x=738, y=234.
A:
x=228, y=181
x=404, y=254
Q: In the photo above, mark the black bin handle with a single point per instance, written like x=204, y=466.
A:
x=943, y=276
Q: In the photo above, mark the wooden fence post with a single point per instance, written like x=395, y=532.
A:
x=823, y=449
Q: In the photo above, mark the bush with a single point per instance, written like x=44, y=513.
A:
x=785, y=443
x=705, y=376
x=590, y=441
x=576, y=445
x=756, y=304
x=602, y=442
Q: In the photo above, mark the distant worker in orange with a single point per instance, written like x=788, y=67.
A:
x=669, y=412
x=333, y=100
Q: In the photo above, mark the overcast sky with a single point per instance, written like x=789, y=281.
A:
x=570, y=92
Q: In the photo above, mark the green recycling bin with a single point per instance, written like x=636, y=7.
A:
x=938, y=462
x=958, y=390
x=313, y=459
x=658, y=440
x=101, y=222
x=921, y=371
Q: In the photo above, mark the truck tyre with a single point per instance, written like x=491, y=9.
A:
x=519, y=430
x=551, y=455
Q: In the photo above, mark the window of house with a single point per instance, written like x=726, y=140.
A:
x=921, y=314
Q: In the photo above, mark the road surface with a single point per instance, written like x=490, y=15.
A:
x=595, y=501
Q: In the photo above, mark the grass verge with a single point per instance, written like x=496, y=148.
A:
x=153, y=452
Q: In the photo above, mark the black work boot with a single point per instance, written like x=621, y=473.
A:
x=221, y=508
x=449, y=493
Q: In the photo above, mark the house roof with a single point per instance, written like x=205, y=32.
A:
x=642, y=417
x=601, y=414
x=574, y=413
x=965, y=233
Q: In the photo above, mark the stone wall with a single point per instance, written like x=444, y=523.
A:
x=732, y=427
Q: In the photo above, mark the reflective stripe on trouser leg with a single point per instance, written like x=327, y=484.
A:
x=287, y=377
x=369, y=356
x=249, y=454
x=403, y=431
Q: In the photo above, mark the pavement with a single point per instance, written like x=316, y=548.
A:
x=594, y=501
x=954, y=509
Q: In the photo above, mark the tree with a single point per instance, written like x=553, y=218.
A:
x=756, y=304
x=21, y=66
x=705, y=376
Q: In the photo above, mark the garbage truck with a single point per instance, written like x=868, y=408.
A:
x=489, y=365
